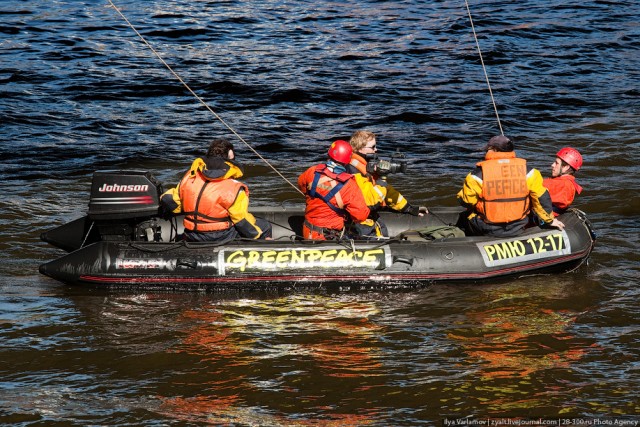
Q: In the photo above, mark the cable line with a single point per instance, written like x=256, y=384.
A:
x=199, y=98
x=483, y=67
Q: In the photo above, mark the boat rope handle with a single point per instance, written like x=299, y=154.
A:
x=199, y=98
x=475, y=36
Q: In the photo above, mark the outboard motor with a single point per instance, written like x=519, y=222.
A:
x=125, y=204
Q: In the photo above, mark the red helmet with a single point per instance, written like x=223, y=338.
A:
x=340, y=151
x=571, y=156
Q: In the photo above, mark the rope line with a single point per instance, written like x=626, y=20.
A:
x=199, y=98
x=486, y=76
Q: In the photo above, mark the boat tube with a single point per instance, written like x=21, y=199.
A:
x=124, y=241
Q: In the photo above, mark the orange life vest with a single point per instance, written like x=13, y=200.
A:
x=505, y=193
x=360, y=163
x=374, y=194
x=206, y=202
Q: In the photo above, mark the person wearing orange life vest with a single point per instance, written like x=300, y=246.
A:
x=562, y=185
x=332, y=196
x=378, y=193
x=215, y=204
x=501, y=192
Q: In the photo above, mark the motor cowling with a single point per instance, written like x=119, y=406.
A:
x=124, y=194
x=124, y=205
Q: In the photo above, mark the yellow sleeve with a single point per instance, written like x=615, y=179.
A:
x=393, y=198
x=540, y=199
x=244, y=221
x=170, y=199
x=471, y=191
x=373, y=198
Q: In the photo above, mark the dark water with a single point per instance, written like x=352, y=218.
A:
x=79, y=92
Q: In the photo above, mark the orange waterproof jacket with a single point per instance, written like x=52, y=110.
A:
x=345, y=203
x=562, y=190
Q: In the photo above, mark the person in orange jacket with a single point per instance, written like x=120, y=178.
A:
x=214, y=202
x=332, y=196
x=562, y=184
x=501, y=192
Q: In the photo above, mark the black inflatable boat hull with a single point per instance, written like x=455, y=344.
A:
x=290, y=261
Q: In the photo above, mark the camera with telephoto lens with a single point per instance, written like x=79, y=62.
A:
x=381, y=167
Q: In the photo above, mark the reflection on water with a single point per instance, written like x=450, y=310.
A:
x=295, y=347
x=517, y=342
x=515, y=336
x=530, y=336
x=535, y=347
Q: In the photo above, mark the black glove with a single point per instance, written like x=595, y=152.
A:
x=413, y=210
x=164, y=213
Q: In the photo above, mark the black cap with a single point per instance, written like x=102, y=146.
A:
x=500, y=143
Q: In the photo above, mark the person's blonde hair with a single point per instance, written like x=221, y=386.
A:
x=360, y=138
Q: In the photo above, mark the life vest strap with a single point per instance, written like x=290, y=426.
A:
x=513, y=199
x=326, y=198
x=191, y=215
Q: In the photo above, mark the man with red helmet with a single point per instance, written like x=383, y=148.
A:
x=562, y=184
x=332, y=195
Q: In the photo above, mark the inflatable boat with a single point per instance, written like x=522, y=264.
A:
x=124, y=241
